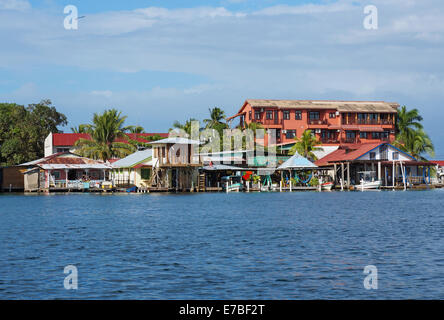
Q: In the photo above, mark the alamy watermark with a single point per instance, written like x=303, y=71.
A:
x=371, y=281
x=71, y=21
x=71, y=280
x=371, y=18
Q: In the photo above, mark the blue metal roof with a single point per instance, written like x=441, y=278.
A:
x=297, y=162
x=134, y=159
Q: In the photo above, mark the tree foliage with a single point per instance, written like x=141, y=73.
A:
x=105, y=131
x=305, y=145
x=410, y=134
x=23, y=130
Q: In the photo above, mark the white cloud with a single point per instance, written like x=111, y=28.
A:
x=300, y=51
x=14, y=5
x=104, y=93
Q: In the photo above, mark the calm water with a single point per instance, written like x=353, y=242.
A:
x=218, y=246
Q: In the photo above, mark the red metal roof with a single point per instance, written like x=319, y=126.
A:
x=438, y=162
x=347, y=153
x=69, y=139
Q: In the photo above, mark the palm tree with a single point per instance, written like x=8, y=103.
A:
x=305, y=145
x=216, y=117
x=411, y=136
x=106, y=128
x=136, y=129
x=408, y=121
x=81, y=128
x=417, y=143
x=186, y=127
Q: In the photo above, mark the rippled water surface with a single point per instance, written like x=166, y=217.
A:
x=223, y=246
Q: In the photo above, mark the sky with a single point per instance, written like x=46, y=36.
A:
x=159, y=61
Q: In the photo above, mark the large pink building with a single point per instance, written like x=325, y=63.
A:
x=333, y=122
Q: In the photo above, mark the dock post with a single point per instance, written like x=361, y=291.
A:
x=342, y=176
x=280, y=186
x=348, y=175
x=227, y=186
x=393, y=175
x=335, y=174
x=248, y=186
x=290, y=186
x=259, y=186
x=379, y=171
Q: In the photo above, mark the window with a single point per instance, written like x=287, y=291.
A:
x=351, y=134
x=269, y=115
x=298, y=115
x=257, y=115
x=384, y=135
x=314, y=115
x=332, y=115
x=278, y=133
x=55, y=174
x=395, y=155
x=276, y=115
x=58, y=150
x=145, y=174
x=291, y=134
x=286, y=115
x=373, y=116
x=250, y=115
x=363, y=135
x=376, y=135
x=372, y=155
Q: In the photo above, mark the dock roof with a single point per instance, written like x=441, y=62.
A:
x=297, y=162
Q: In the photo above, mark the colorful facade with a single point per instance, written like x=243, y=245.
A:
x=333, y=122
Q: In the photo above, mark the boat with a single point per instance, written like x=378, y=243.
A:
x=326, y=182
x=368, y=181
x=327, y=186
x=232, y=183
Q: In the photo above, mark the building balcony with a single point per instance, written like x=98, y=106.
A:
x=317, y=122
x=330, y=140
x=350, y=140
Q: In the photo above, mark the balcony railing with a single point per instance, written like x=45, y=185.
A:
x=351, y=140
x=329, y=140
x=367, y=121
x=317, y=121
x=270, y=121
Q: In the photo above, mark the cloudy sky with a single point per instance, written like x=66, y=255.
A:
x=165, y=60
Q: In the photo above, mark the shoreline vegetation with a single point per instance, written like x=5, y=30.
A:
x=24, y=129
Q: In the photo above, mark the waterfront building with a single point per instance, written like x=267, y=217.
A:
x=133, y=170
x=175, y=165
x=332, y=122
x=389, y=164
x=65, y=142
x=65, y=171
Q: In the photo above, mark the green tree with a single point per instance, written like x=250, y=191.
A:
x=410, y=134
x=23, y=130
x=305, y=145
x=408, y=121
x=104, y=131
x=417, y=144
x=136, y=129
x=81, y=128
x=216, y=117
x=186, y=127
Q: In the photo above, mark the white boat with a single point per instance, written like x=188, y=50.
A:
x=368, y=181
x=327, y=186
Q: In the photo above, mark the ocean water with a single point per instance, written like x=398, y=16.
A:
x=300, y=245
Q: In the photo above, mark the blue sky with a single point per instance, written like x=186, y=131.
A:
x=162, y=60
